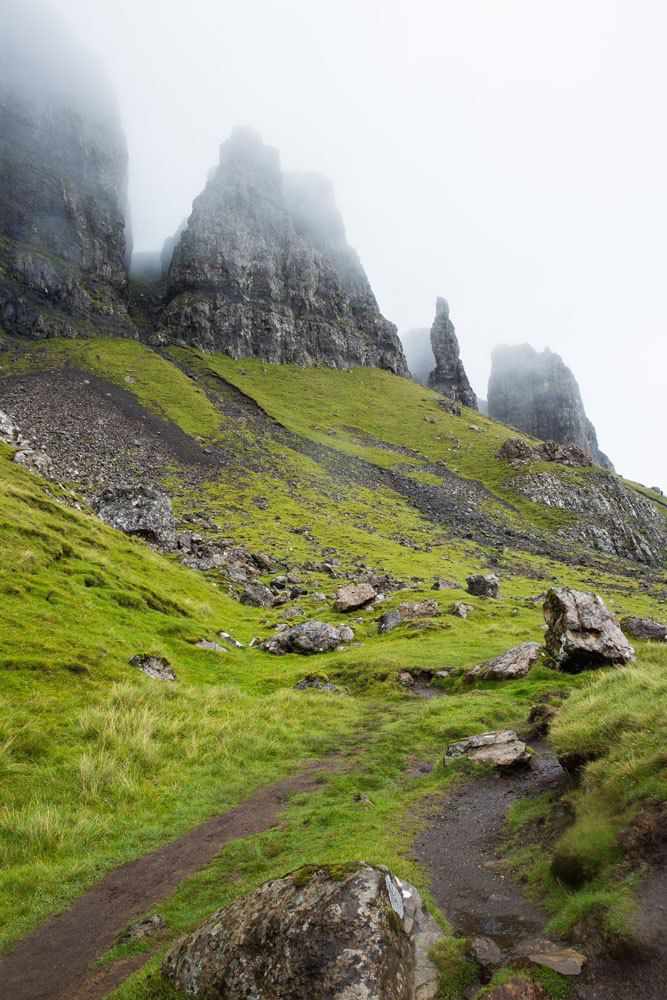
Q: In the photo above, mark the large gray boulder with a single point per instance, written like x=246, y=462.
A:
x=644, y=628
x=336, y=932
x=501, y=749
x=582, y=632
x=353, y=596
x=448, y=377
x=308, y=638
x=63, y=184
x=143, y=511
x=516, y=662
x=483, y=584
x=263, y=269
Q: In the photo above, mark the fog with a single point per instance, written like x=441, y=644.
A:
x=506, y=154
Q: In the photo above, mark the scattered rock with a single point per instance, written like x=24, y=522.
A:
x=353, y=596
x=32, y=459
x=279, y=582
x=516, y=662
x=644, y=628
x=256, y=595
x=214, y=647
x=582, y=633
x=138, y=510
x=388, y=621
x=154, y=666
x=411, y=610
x=308, y=638
x=364, y=800
x=406, y=679
x=486, y=954
x=502, y=749
x=339, y=931
x=565, y=961
x=229, y=639
x=516, y=989
x=145, y=927
x=483, y=584
x=518, y=450
x=446, y=584
x=316, y=682
x=460, y=609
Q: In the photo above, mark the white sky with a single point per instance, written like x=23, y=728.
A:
x=510, y=155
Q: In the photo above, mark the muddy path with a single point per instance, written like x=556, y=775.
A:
x=461, y=851
x=53, y=961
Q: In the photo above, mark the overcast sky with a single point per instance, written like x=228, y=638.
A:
x=510, y=155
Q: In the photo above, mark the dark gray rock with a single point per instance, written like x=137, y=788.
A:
x=154, y=666
x=33, y=459
x=256, y=595
x=501, y=749
x=388, y=621
x=483, y=584
x=316, y=682
x=538, y=394
x=582, y=633
x=308, y=638
x=486, y=954
x=611, y=517
x=263, y=269
x=448, y=377
x=63, y=177
x=344, y=932
x=138, y=510
x=644, y=628
x=516, y=662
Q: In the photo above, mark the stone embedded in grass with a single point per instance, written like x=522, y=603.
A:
x=308, y=638
x=419, y=609
x=582, y=633
x=347, y=930
x=353, y=596
x=229, y=639
x=445, y=584
x=461, y=610
x=318, y=682
x=644, y=628
x=516, y=662
x=214, y=647
x=516, y=989
x=564, y=961
x=486, y=954
x=483, y=584
x=256, y=595
x=142, y=929
x=153, y=666
x=138, y=510
x=502, y=749
x=388, y=621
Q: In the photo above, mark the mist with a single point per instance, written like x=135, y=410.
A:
x=508, y=156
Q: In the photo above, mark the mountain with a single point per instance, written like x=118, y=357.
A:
x=263, y=270
x=448, y=377
x=63, y=180
x=538, y=394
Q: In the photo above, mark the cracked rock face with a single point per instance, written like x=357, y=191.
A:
x=345, y=932
x=263, y=269
x=448, y=377
x=582, y=633
x=63, y=178
x=538, y=394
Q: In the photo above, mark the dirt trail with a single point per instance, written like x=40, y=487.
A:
x=460, y=849
x=52, y=961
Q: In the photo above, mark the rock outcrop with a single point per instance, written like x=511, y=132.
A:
x=308, y=638
x=483, y=584
x=644, y=628
x=582, y=633
x=63, y=175
x=516, y=662
x=138, y=510
x=538, y=394
x=448, y=377
x=502, y=749
x=336, y=931
x=263, y=269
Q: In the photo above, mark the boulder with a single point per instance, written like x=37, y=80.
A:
x=419, y=609
x=518, y=450
x=564, y=961
x=644, y=628
x=143, y=929
x=516, y=989
x=138, y=510
x=516, y=662
x=406, y=679
x=353, y=596
x=337, y=931
x=308, y=638
x=388, y=621
x=154, y=666
x=483, y=584
x=460, y=609
x=316, y=682
x=501, y=749
x=256, y=595
x=582, y=633
x=446, y=584
x=486, y=954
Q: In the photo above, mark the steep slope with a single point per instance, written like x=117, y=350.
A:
x=538, y=394
x=263, y=270
x=448, y=377
x=63, y=176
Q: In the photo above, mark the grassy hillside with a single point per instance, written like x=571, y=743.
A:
x=99, y=763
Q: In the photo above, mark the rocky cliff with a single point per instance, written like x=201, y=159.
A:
x=63, y=171
x=448, y=377
x=538, y=394
x=263, y=269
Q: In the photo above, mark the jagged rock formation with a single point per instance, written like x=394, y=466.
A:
x=538, y=394
x=449, y=376
x=63, y=172
x=263, y=269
